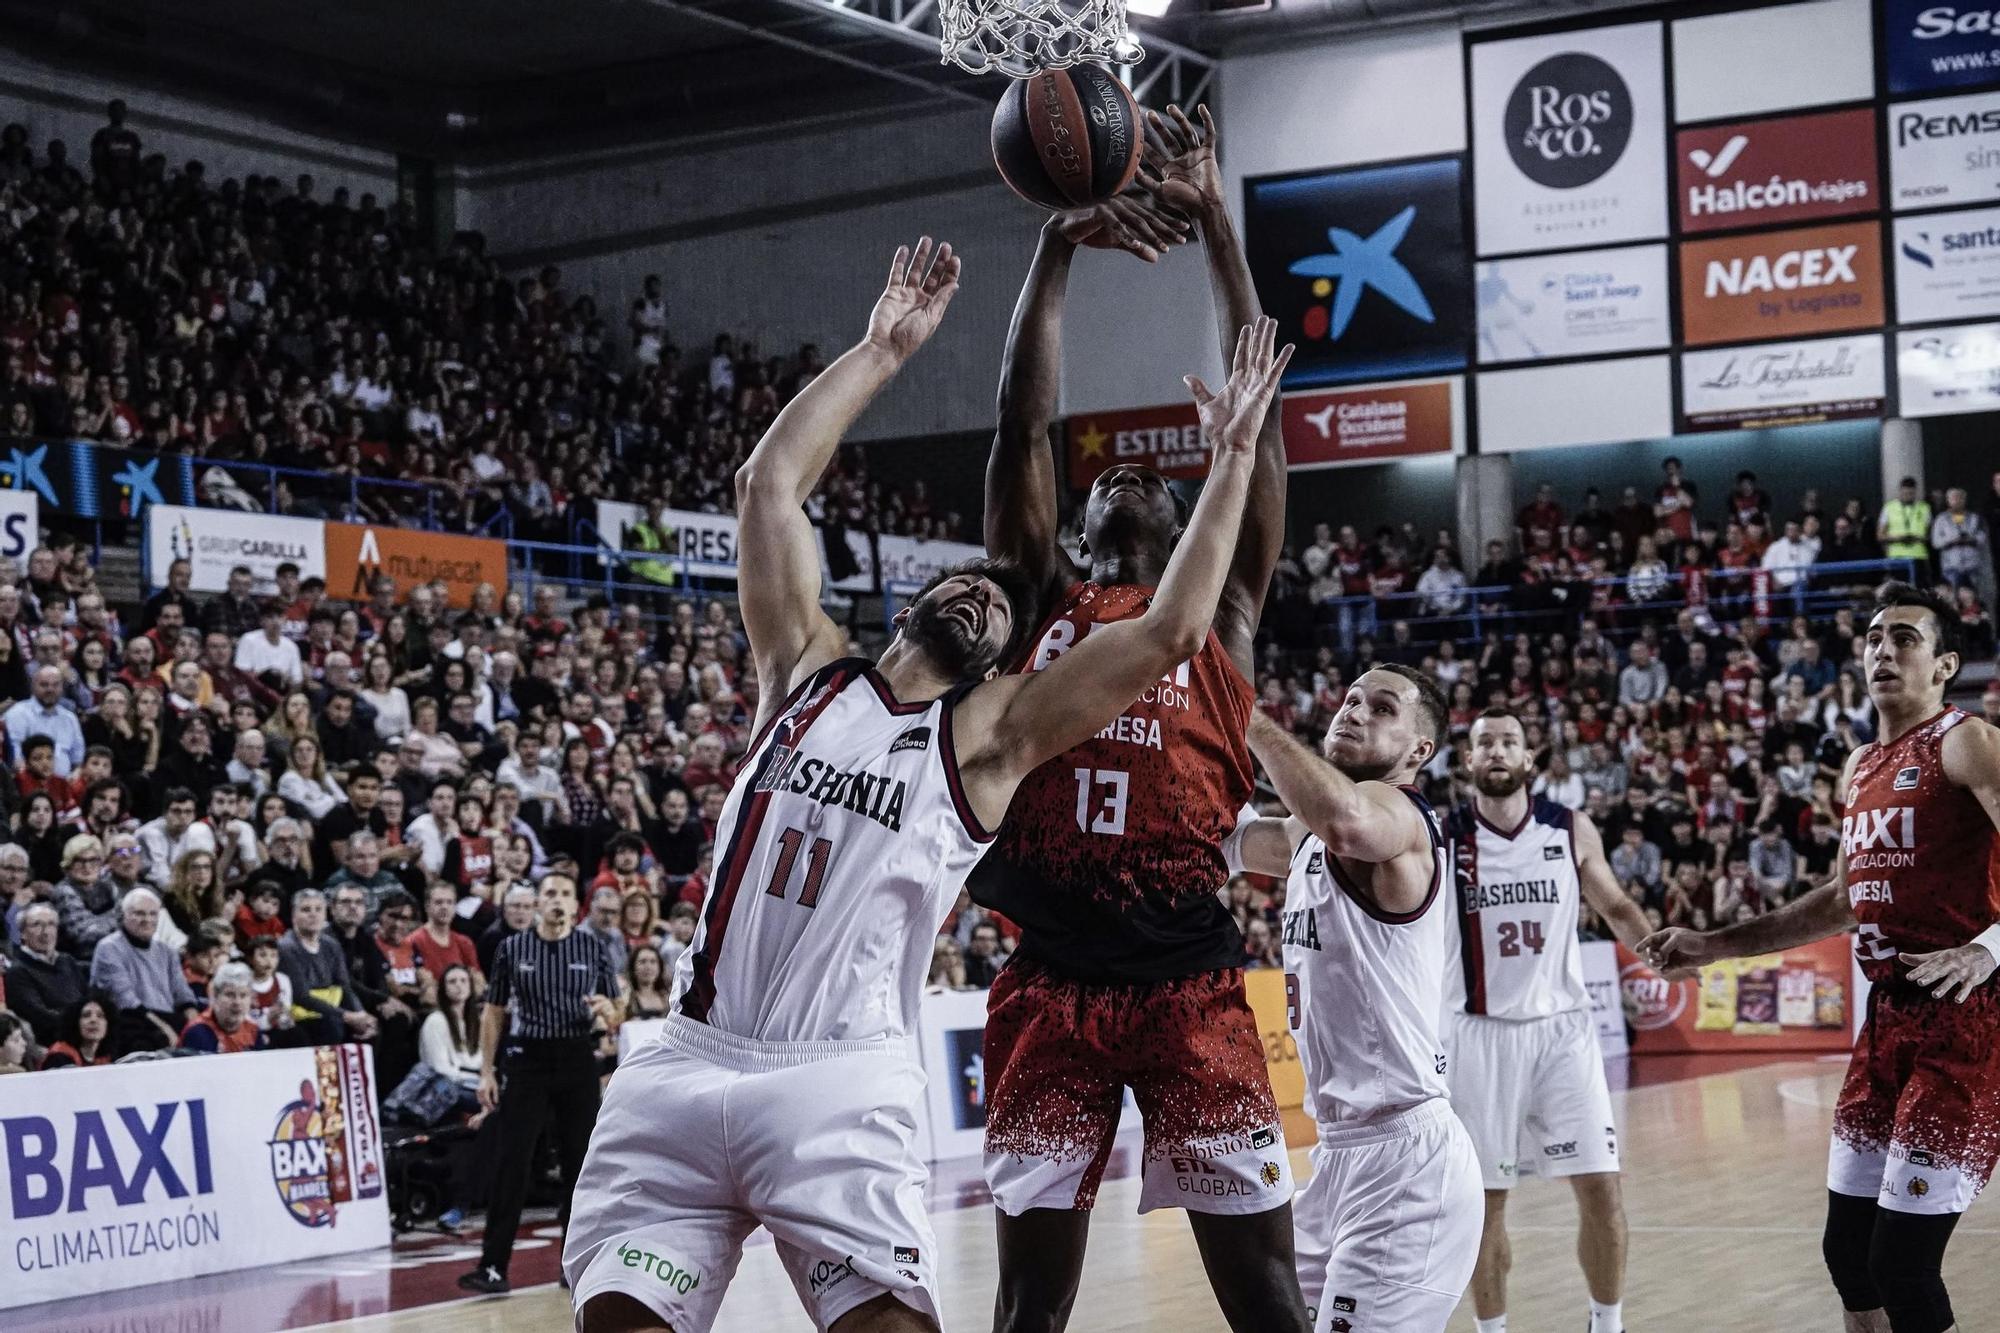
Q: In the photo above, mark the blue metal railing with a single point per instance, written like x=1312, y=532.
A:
x=1730, y=594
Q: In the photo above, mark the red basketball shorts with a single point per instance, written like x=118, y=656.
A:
x=1059, y=1056
x=1917, y=1126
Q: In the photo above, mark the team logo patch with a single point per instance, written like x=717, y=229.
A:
x=1552, y=853
x=1918, y=1157
x=1907, y=778
x=1316, y=863
x=1263, y=1138
x=1340, y=1325
x=916, y=738
x=1345, y=1304
x=1919, y=1187
x=1269, y=1173
x=906, y=1254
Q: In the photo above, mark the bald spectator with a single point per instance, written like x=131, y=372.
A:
x=141, y=978
x=43, y=714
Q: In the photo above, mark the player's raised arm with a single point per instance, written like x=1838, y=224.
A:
x=1362, y=821
x=778, y=576
x=1185, y=157
x=1264, y=846
x=1029, y=718
x=1600, y=886
x=1021, y=487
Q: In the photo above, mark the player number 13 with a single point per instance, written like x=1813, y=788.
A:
x=1100, y=800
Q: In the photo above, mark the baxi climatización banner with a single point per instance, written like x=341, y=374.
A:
x=130, y=1174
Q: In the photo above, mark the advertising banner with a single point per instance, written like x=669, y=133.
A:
x=1166, y=439
x=708, y=541
x=1941, y=372
x=1587, y=303
x=1945, y=151
x=1364, y=269
x=1265, y=988
x=1781, y=284
x=1948, y=266
x=356, y=553
x=1799, y=1000
x=1928, y=45
x=1724, y=63
x=215, y=541
x=1568, y=133
x=1585, y=402
x=20, y=526
x=1343, y=427
x=126, y=1175
x=1793, y=169
x=1784, y=384
x=1600, y=979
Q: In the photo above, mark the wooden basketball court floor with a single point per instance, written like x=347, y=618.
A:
x=1724, y=1190
x=1725, y=1162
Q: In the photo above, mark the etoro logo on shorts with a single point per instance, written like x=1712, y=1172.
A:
x=1568, y=120
x=668, y=1272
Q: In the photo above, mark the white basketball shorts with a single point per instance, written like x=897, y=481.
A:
x=1388, y=1227
x=1532, y=1095
x=704, y=1136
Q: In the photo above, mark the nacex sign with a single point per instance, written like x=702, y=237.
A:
x=1781, y=284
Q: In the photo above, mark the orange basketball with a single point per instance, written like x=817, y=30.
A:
x=1067, y=137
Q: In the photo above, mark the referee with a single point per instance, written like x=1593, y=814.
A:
x=550, y=986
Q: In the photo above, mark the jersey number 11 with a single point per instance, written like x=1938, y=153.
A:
x=788, y=855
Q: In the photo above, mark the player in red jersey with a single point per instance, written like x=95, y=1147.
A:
x=1129, y=971
x=1917, y=1126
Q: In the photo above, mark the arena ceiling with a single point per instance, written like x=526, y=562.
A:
x=474, y=80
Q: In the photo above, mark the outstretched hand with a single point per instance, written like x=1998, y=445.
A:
x=1963, y=969
x=1675, y=952
x=1183, y=156
x=1232, y=419
x=910, y=308
x=1134, y=221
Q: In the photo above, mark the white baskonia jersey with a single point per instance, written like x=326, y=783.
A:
x=1364, y=987
x=841, y=848
x=1517, y=908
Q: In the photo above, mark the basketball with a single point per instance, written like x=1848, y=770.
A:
x=1067, y=137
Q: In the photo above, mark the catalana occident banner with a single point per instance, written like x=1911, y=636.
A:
x=860, y=563
x=126, y=1175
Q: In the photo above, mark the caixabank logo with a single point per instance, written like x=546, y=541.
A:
x=1365, y=269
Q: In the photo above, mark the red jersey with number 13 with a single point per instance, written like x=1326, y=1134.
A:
x=1923, y=862
x=1111, y=855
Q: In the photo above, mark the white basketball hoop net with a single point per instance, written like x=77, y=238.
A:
x=1020, y=38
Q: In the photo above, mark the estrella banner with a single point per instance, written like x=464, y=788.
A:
x=127, y=1175
x=85, y=480
x=1265, y=988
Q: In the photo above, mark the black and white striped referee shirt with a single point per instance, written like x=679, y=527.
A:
x=545, y=983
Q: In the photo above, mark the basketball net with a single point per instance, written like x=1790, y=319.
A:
x=1020, y=38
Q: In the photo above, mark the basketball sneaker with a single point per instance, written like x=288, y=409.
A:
x=488, y=1281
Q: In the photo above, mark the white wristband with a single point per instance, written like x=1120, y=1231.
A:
x=1989, y=940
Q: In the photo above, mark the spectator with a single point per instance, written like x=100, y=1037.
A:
x=647, y=991
x=1774, y=865
x=438, y=944
x=265, y=653
x=141, y=978
x=226, y=1027
x=84, y=1039
x=1904, y=527
x=45, y=714
x=306, y=782
x=324, y=1002
x=1786, y=558
x=985, y=956
x=1643, y=681
x=362, y=870
x=1958, y=538
x=84, y=900
x=165, y=840
x=44, y=983
x=517, y=913
x=14, y=1036
x=681, y=921
x=602, y=925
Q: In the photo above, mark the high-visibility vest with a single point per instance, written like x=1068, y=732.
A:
x=646, y=537
x=1906, y=529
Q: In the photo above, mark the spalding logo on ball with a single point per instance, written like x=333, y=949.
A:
x=1067, y=137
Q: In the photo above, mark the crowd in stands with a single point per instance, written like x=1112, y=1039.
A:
x=146, y=306
x=1649, y=646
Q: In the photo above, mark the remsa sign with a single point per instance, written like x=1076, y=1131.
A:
x=1781, y=284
